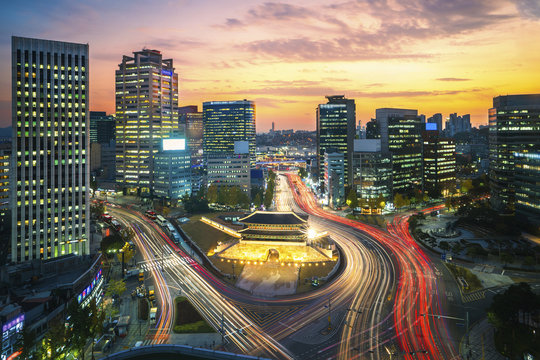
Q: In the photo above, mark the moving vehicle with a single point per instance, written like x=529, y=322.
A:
x=151, y=214
x=153, y=313
x=141, y=276
x=151, y=293
x=161, y=221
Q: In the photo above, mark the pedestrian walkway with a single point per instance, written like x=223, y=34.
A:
x=475, y=296
x=481, y=344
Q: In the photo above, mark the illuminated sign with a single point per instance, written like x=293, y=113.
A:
x=174, y=144
x=431, y=126
x=90, y=287
x=18, y=320
x=166, y=72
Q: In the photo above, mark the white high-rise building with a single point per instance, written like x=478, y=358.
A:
x=49, y=173
x=146, y=113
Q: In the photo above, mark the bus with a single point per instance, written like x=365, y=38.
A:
x=161, y=221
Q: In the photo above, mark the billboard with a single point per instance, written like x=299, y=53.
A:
x=174, y=144
x=431, y=126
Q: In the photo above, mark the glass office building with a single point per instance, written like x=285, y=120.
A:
x=146, y=112
x=514, y=128
x=372, y=170
x=336, y=131
x=49, y=174
x=190, y=121
x=439, y=158
x=102, y=127
x=172, y=166
x=224, y=123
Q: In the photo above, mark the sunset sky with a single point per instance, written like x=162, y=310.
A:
x=432, y=55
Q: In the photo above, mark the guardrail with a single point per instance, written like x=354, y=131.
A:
x=221, y=227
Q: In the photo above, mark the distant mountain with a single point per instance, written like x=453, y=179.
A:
x=5, y=132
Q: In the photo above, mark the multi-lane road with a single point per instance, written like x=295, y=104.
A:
x=386, y=292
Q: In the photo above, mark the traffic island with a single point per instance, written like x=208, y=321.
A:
x=188, y=320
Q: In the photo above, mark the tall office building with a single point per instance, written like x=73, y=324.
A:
x=102, y=127
x=439, y=160
x=49, y=175
x=456, y=124
x=400, y=131
x=514, y=145
x=231, y=169
x=191, y=121
x=5, y=164
x=173, y=170
x=225, y=122
x=372, y=170
x=146, y=112
x=436, y=119
x=336, y=121
x=334, y=178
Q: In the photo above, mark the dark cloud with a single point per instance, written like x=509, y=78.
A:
x=280, y=11
x=452, y=79
x=529, y=8
x=231, y=22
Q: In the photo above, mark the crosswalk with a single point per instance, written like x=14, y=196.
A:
x=167, y=262
x=475, y=296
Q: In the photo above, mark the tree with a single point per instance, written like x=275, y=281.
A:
x=78, y=327
x=257, y=200
x=381, y=201
x=302, y=172
x=466, y=186
x=115, y=288
x=352, y=199
x=127, y=233
x=113, y=242
x=55, y=339
x=212, y=194
x=234, y=196
x=401, y=200
x=128, y=252
x=443, y=245
x=97, y=209
x=97, y=316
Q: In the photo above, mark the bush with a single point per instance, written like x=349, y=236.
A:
x=472, y=280
x=196, y=327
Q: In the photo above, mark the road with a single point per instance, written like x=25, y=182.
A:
x=419, y=328
x=172, y=268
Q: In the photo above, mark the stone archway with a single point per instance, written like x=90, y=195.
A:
x=273, y=255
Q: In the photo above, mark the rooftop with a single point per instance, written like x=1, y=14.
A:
x=274, y=218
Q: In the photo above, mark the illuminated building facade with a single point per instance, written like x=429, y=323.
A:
x=335, y=131
x=226, y=122
x=439, y=168
x=230, y=170
x=191, y=121
x=372, y=170
x=146, y=112
x=12, y=320
x=334, y=178
x=172, y=166
x=269, y=226
x=400, y=131
x=5, y=163
x=514, y=128
x=50, y=170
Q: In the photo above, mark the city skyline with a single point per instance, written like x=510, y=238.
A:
x=435, y=57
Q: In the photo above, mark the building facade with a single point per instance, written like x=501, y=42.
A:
x=146, y=112
x=336, y=131
x=372, y=170
x=527, y=184
x=439, y=164
x=514, y=128
x=334, y=178
x=172, y=170
x=400, y=131
x=102, y=127
x=225, y=122
x=5, y=164
x=49, y=175
x=191, y=120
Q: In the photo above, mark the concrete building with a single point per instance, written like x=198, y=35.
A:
x=172, y=179
x=49, y=176
x=439, y=164
x=5, y=164
x=226, y=122
x=514, y=143
x=231, y=169
x=436, y=119
x=334, y=178
x=336, y=121
x=102, y=127
x=191, y=120
x=372, y=170
x=146, y=112
x=456, y=124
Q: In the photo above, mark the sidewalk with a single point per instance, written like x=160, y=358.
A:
x=481, y=343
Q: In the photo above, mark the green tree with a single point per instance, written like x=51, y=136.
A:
x=381, y=201
x=127, y=233
x=234, y=196
x=257, y=200
x=55, y=339
x=401, y=200
x=302, y=172
x=97, y=316
x=212, y=194
x=352, y=199
x=443, y=245
x=113, y=242
x=97, y=209
x=115, y=288
x=78, y=327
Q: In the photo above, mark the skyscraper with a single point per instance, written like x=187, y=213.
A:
x=102, y=127
x=50, y=175
x=224, y=123
x=514, y=148
x=372, y=170
x=336, y=122
x=400, y=131
x=439, y=160
x=146, y=112
x=436, y=119
x=191, y=120
x=172, y=169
